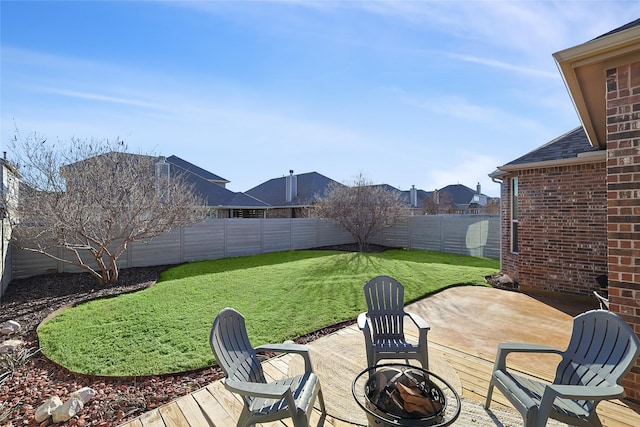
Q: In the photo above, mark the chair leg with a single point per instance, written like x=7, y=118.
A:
x=321, y=400
x=244, y=420
x=425, y=359
x=370, y=357
x=487, y=403
x=299, y=419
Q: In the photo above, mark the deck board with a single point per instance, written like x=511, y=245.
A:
x=213, y=405
x=172, y=415
x=188, y=405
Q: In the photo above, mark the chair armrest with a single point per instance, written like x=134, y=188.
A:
x=587, y=392
x=285, y=347
x=289, y=347
x=580, y=392
x=363, y=321
x=269, y=391
x=417, y=320
x=505, y=348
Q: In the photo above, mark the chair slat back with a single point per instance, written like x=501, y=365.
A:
x=602, y=349
x=233, y=351
x=385, y=307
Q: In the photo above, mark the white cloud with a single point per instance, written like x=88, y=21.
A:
x=468, y=169
x=504, y=66
x=100, y=97
x=456, y=106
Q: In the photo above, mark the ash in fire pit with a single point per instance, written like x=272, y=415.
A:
x=407, y=395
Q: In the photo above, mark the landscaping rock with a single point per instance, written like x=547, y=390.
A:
x=502, y=281
x=45, y=410
x=11, y=327
x=505, y=279
x=10, y=346
x=85, y=394
x=69, y=409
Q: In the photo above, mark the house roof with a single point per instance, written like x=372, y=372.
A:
x=207, y=185
x=215, y=195
x=421, y=195
x=571, y=148
x=461, y=195
x=405, y=195
x=584, y=69
x=310, y=186
x=196, y=170
x=624, y=27
x=567, y=146
x=7, y=164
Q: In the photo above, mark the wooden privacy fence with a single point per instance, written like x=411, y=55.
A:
x=476, y=235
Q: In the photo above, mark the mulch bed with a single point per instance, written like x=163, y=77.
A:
x=29, y=302
x=25, y=387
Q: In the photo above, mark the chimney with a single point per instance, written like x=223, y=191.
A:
x=163, y=172
x=413, y=193
x=292, y=186
x=478, y=189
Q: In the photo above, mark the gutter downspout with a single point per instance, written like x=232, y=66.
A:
x=501, y=182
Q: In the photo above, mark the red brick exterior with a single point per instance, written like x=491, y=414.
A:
x=623, y=185
x=562, y=244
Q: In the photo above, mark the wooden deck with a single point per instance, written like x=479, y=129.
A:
x=215, y=406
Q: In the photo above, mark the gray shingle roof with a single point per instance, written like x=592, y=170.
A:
x=567, y=146
x=405, y=195
x=214, y=195
x=627, y=26
x=311, y=186
x=461, y=195
x=191, y=168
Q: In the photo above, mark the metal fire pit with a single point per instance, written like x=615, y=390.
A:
x=404, y=395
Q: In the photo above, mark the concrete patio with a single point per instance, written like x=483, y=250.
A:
x=466, y=323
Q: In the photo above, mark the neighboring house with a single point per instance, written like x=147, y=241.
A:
x=8, y=202
x=463, y=200
x=571, y=209
x=416, y=199
x=291, y=196
x=185, y=166
x=413, y=199
x=222, y=203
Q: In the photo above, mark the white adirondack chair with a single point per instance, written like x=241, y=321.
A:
x=383, y=324
x=263, y=402
x=602, y=349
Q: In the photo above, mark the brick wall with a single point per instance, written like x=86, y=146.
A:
x=623, y=185
x=562, y=229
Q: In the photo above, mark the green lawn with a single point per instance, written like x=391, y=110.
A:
x=165, y=328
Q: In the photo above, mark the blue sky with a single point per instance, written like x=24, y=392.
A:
x=424, y=93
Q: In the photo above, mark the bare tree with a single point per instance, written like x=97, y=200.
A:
x=438, y=202
x=492, y=207
x=82, y=202
x=362, y=208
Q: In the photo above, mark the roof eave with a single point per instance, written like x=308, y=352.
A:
x=583, y=69
x=581, y=159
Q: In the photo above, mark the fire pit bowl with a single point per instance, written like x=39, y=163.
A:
x=405, y=395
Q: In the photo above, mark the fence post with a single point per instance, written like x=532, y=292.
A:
x=441, y=221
